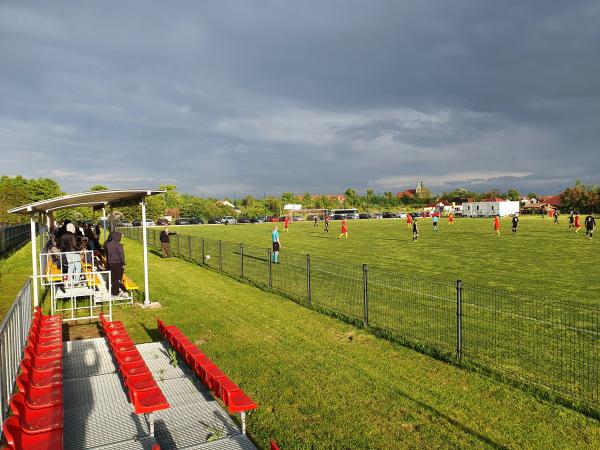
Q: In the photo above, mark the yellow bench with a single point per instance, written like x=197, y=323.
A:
x=129, y=284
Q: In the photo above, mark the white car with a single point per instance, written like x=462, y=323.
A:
x=150, y=223
x=228, y=220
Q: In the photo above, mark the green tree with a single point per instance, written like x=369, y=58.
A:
x=351, y=197
x=43, y=188
x=513, y=194
x=98, y=187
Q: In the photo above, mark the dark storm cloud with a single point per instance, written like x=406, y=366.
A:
x=274, y=96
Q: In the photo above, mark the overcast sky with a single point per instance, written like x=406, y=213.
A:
x=270, y=96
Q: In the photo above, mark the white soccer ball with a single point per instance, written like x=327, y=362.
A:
x=207, y=256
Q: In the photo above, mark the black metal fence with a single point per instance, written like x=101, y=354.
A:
x=537, y=342
x=14, y=236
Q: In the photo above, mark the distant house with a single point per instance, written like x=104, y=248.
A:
x=553, y=200
x=536, y=207
x=408, y=193
x=490, y=207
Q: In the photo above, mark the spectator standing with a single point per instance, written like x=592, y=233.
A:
x=68, y=245
x=165, y=242
x=115, y=259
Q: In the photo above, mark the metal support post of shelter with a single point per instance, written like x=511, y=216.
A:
x=34, y=263
x=145, y=244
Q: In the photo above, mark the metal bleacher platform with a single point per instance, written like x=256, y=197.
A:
x=98, y=415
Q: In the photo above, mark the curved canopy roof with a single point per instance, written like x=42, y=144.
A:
x=114, y=197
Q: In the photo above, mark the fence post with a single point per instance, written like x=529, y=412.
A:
x=242, y=260
x=220, y=256
x=190, y=247
x=459, y=349
x=308, y=293
x=270, y=269
x=178, y=248
x=366, y=295
x=203, y=253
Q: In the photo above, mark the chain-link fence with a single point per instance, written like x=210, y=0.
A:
x=14, y=236
x=539, y=342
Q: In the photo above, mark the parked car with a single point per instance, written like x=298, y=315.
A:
x=162, y=222
x=196, y=221
x=401, y=215
x=183, y=221
x=272, y=219
x=150, y=223
x=389, y=215
x=125, y=223
x=377, y=216
x=338, y=217
x=243, y=219
x=213, y=221
x=364, y=216
x=228, y=220
x=137, y=223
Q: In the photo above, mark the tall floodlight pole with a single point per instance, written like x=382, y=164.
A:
x=145, y=244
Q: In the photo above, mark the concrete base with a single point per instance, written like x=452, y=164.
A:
x=152, y=305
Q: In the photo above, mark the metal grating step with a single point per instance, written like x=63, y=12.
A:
x=98, y=414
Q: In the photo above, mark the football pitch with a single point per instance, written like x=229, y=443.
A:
x=542, y=260
x=529, y=300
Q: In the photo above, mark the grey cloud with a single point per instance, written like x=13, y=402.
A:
x=297, y=96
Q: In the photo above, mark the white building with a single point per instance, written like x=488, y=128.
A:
x=490, y=208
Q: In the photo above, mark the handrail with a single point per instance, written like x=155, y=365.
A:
x=13, y=335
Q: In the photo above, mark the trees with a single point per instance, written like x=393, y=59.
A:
x=513, y=194
x=98, y=187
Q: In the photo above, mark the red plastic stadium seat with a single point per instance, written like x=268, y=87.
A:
x=18, y=440
x=36, y=329
x=37, y=313
x=43, y=364
x=225, y=387
x=122, y=346
x=133, y=369
x=36, y=420
x=238, y=402
x=190, y=352
x=211, y=375
x=37, y=398
x=200, y=361
x=128, y=356
x=54, y=341
x=116, y=334
x=141, y=382
x=149, y=401
x=44, y=346
x=41, y=379
x=44, y=352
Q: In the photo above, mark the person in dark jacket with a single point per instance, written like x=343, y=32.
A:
x=71, y=261
x=115, y=258
x=165, y=242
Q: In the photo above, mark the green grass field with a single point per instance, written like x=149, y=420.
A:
x=528, y=312
x=543, y=259
x=321, y=383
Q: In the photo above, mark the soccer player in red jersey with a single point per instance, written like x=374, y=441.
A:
x=497, y=225
x=409, y=219
x=577, y=222
x=450, y=219
x=286, y=224
x=344, y=229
